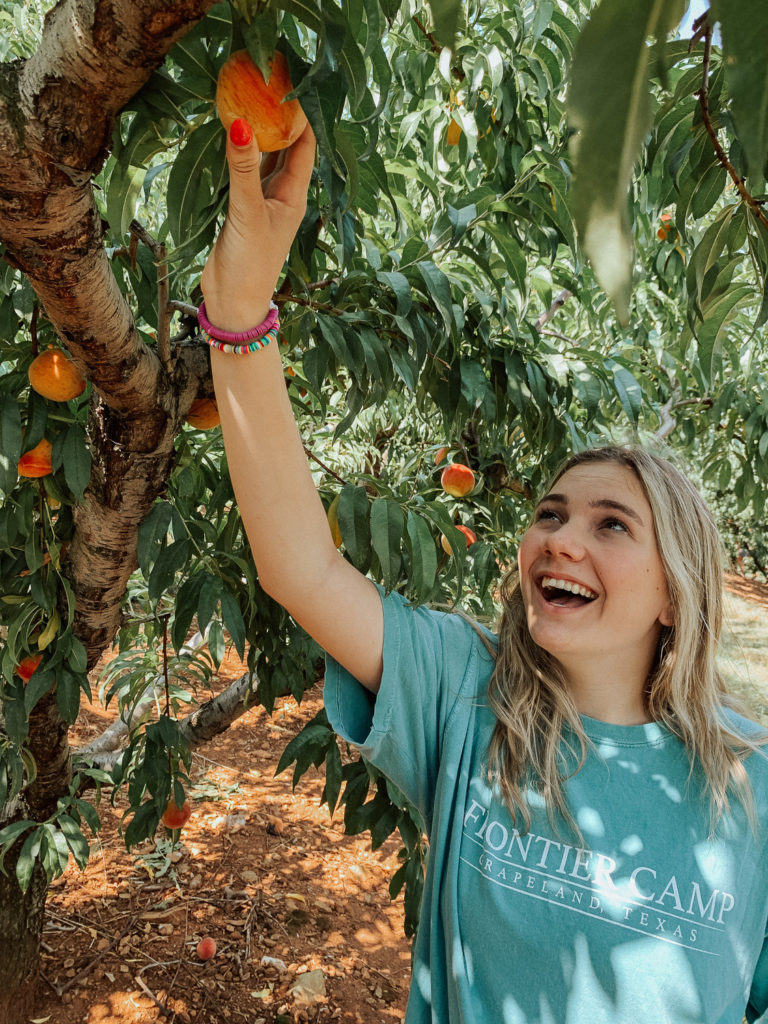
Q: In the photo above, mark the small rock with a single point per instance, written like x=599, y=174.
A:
x=273, y=961
x=249, y=876
x=309, y=988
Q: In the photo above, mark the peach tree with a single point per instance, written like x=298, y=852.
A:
x=532, y=226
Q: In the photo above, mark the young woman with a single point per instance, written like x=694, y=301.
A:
x=595, y=807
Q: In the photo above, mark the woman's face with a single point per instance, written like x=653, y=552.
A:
x=591, y=575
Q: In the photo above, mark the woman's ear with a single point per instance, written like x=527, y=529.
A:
x=666, y=618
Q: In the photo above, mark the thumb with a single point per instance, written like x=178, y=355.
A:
x=244, y=159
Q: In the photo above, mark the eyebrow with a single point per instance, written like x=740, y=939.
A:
x=608, y=503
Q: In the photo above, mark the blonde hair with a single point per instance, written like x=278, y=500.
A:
x=685, y=691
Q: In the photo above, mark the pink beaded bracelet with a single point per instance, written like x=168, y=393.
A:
x=240, y=339
x=242, y=349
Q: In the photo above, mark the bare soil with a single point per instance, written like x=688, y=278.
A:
x=261, y=869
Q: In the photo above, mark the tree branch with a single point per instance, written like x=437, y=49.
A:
x=197, y=728
x=557, y=303
x=754, y=205
x=57, y=113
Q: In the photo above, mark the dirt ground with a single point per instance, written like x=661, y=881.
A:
x=262, y=870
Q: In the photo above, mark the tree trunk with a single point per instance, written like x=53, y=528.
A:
x=57, y=113
x=21, y=926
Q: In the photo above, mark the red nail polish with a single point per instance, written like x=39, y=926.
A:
x=240, y=132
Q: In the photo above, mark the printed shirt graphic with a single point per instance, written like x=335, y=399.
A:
x=648, y=920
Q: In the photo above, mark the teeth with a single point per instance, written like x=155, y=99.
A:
x=573, y=588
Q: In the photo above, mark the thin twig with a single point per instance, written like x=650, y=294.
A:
x=703, y=94
x=557, y=303
x=185, y=308
x=550, y=333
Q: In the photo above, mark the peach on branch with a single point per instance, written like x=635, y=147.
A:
x=469, y=534
x=457, y=480
x=37, y=461
x=53, y=375
x=441, y=454
x=28, y=666
x=242, y=92
x=175, y=816
x=203, y=414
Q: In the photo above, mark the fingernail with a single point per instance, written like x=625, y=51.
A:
x=240, y=132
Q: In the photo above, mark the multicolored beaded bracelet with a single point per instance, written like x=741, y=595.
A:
x=239, y=341
x=239, y=350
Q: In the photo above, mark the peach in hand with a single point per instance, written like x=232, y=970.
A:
x=242, y=92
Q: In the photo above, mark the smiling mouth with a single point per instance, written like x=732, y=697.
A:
x=564, y=593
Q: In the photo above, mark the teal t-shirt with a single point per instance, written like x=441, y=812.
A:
x=649, y=921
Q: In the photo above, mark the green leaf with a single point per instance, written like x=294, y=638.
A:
x=333, y=776
x=123, y=195
x=446, y=15
x=170, y=561
x=629, y=391
x=354, y=523
x=387, y=525
x=745, y=49
x=67, y=694
x=70, y=450
x=233, y=620
x=438, y=288
x=10, y=442
x=423, y=557
x=197, y=175
x=25, y=865
x=143, y=824
x=609, y=104
x=75, y=839
x=717, y=315
x=152, y=534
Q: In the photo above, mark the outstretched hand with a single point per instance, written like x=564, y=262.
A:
x=267, y=200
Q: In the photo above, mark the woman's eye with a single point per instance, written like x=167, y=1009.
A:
x=616, y=524
x=546, y=513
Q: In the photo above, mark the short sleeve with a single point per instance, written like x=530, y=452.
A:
x=427, y=657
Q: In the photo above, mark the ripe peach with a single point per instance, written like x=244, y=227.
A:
x=203, y=414
x=441, y=454
x=206, y=948
x=53, y=375
x=469, y=534
x=28, y=666
x=37, y=461
x=457, y=480
x=175, y=817
x=242, y=92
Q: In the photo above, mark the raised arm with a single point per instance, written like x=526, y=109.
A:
x=296, y=559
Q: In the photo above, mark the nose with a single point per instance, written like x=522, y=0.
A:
x=566, y=542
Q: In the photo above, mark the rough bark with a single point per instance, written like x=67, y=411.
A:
x=198, y=728
x=21, y=926
x=57, y=113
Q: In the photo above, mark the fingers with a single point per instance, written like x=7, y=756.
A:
x=290, y=180
x=244, y=160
